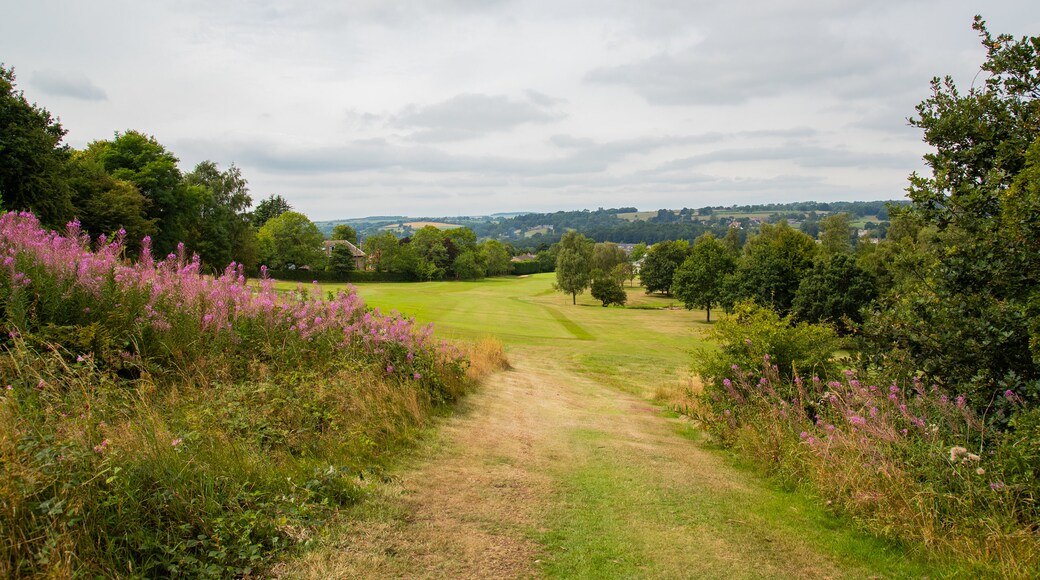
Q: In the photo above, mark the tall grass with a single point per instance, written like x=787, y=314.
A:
x=905, y=460
x=156, y=421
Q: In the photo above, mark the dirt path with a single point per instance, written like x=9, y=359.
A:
x=549, y=474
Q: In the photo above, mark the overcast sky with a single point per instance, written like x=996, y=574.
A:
x=461, y=107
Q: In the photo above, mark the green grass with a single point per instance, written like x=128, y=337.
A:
x=639, y=347
x=618, y=520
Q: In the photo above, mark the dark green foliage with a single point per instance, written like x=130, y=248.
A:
x=773, y=265
x=104, y=204
x=341, y=259
x=660, y=264
x=835, y=292
x=141, y=160
x=32, y=158
x=467, y=266
x=222, y=232
x=268, y=208
x=495, y=257
x=574, y=265
x=969, y=325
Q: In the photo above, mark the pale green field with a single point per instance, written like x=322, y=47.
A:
x=638, y=348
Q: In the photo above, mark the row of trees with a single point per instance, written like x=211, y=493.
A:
x=778, y=266
x=132, y=184
x=434, y=254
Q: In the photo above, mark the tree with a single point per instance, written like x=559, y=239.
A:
x=429, y=246
x=141, y=160
x=268, y=208
x=971, y=324
x=835, y=292
x=467, y=266
x=700, y=282
x=495, y=257
x=638, y=252
x=341, y=259
x=290, y=241
x=660, y=264
x=773, y=265
x=384, y=252
x=607, y=255
x=608, y=286
x=105, y=205
x=344, y=232
x=835, y=235
x=222, y=232
x=32, y=158
x=573, y=264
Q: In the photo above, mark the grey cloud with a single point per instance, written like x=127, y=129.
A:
x=746, y=57
x=72, y=85
x=800, y=154
x=471, y=115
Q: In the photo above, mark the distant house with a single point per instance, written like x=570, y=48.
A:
x=359, y=256
x=524, y=258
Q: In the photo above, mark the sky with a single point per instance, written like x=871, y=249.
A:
x=471, y=107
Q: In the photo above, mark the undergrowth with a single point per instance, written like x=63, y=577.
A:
x=158, y=422
x=906, y=460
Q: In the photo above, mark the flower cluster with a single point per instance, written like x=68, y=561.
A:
x=171, y=302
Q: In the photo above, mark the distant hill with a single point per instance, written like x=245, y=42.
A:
x=529, y=230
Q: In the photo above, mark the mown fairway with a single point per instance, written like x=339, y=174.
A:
x=637, y=348
x=560, y=468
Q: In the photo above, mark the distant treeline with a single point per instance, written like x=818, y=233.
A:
x=532, y=231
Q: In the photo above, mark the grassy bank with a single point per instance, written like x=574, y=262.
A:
x=157, y=422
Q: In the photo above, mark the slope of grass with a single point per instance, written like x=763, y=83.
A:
x=641, y=347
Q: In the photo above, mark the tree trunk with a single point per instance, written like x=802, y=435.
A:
x=708, y=309
x=574, y=298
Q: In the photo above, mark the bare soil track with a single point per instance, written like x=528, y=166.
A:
x=547, y=473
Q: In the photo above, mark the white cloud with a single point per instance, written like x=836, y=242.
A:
x=466, y=106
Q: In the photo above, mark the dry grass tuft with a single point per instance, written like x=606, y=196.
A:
x=485, y=357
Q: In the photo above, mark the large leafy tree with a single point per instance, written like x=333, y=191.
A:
x=970, y=323
x=222, y=232
x=607, y=255
x=105, y=205
x=290, y=241
x=835, y=235
x=660, y=264
x=608, y=286
x=573, y=264
x=701, y=280
x=835, y=291
x=32, y=158
x=773, y=265
x=141, y=160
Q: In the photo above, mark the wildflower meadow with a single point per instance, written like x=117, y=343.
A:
x=156, y=420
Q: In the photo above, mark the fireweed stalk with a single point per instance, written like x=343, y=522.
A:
x=167, y=310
